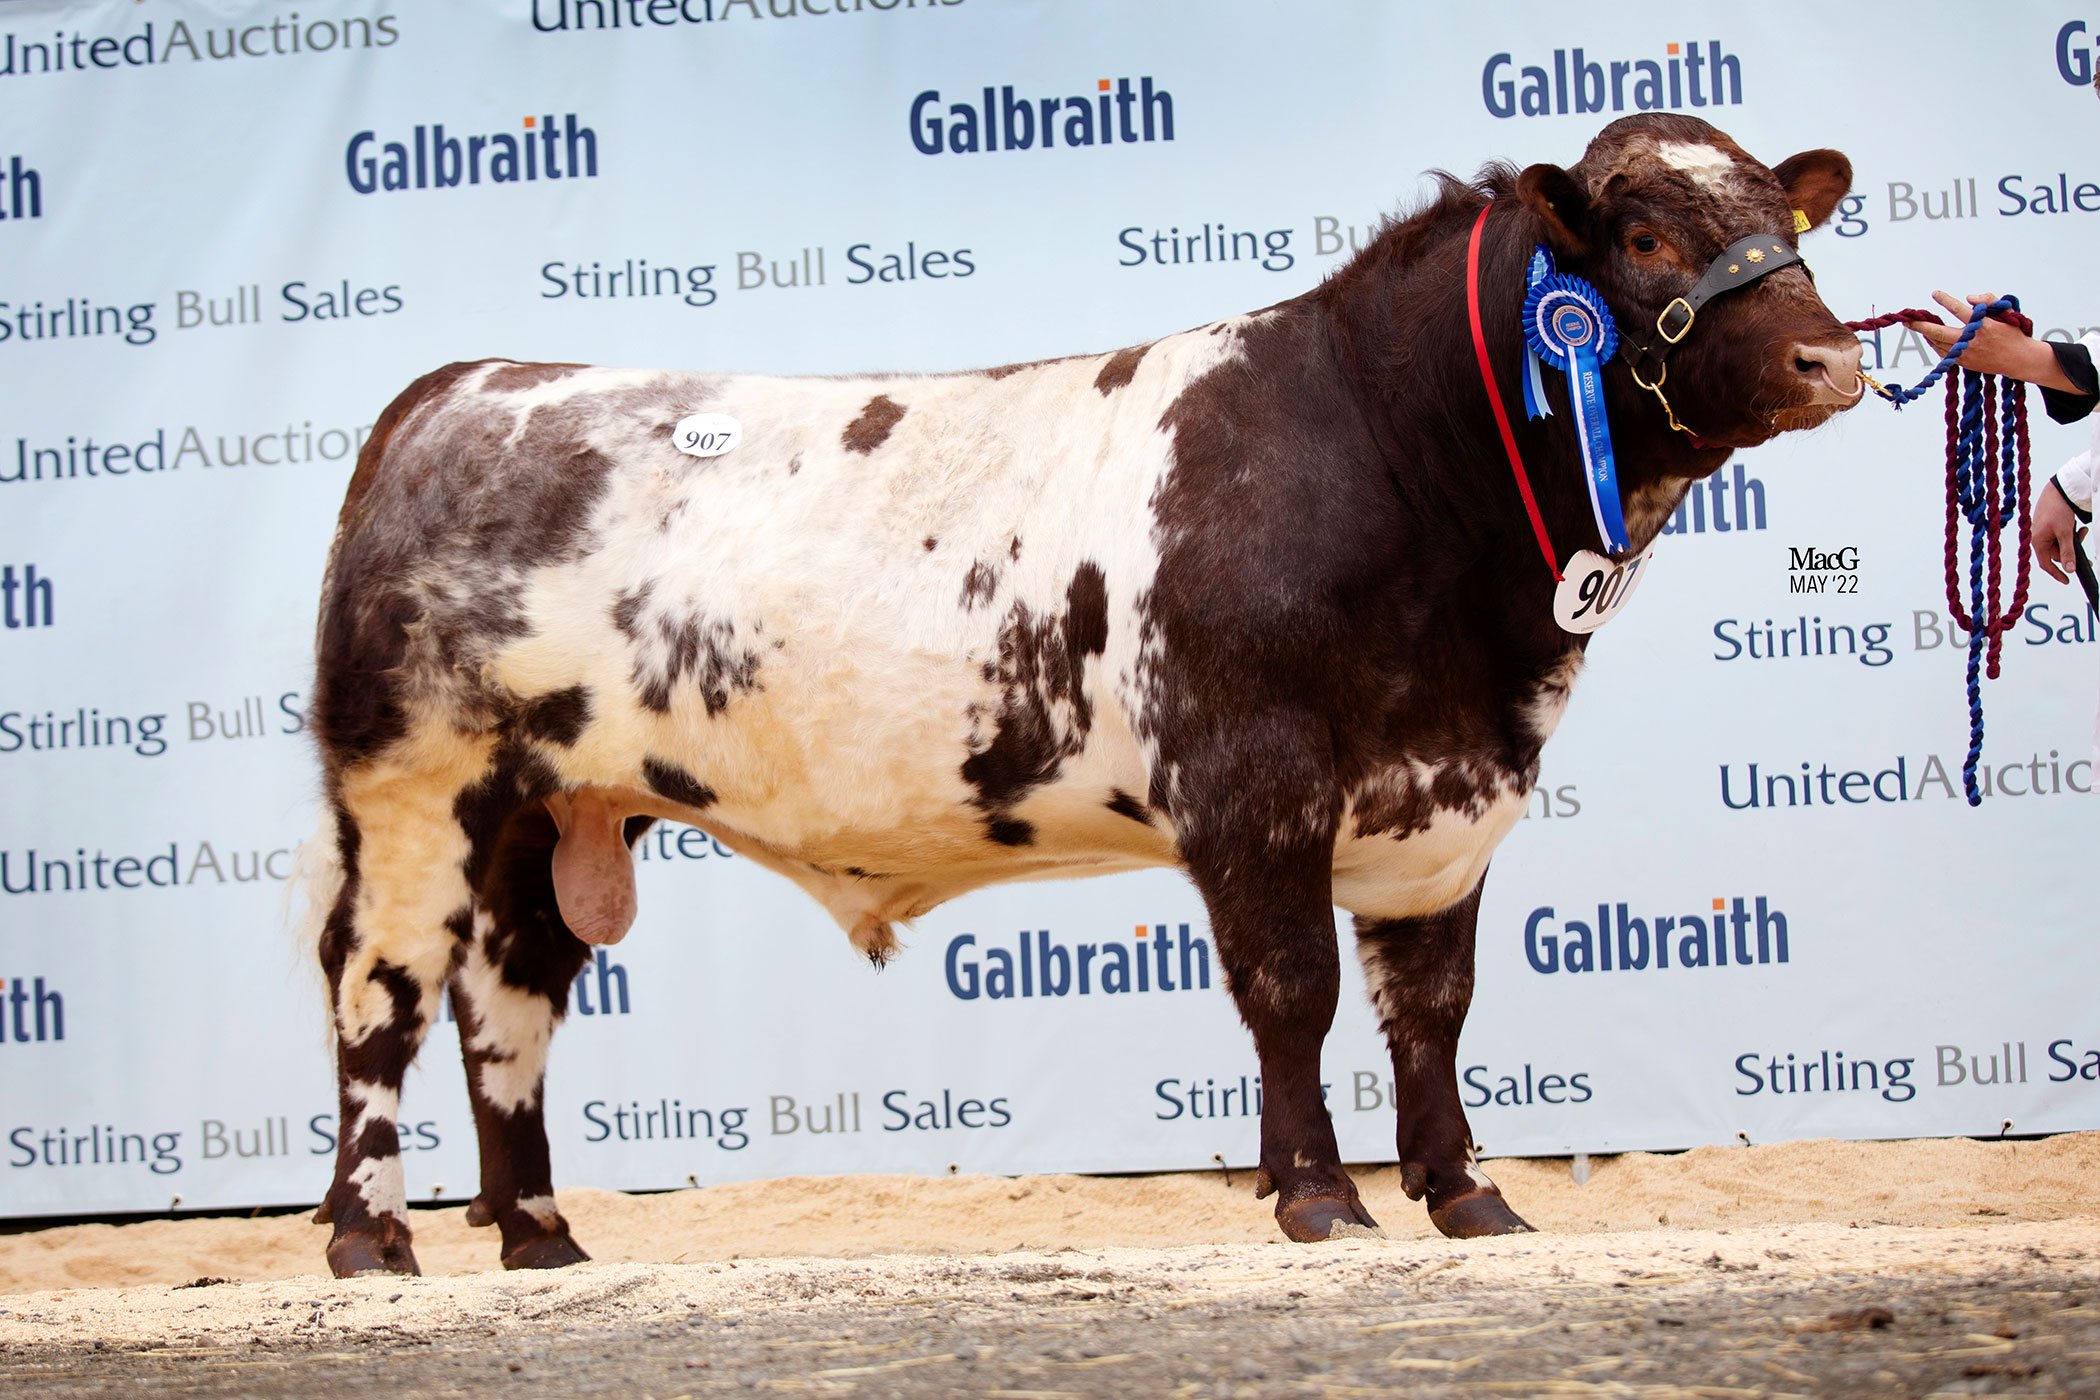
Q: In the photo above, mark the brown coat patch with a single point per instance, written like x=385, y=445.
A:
x=525, y=376
x=1001, y=371
x=979, y=585
x=1120, y=369
x=406, y=402
x=869, y=431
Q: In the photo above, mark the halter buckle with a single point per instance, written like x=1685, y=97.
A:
x=1684, y=330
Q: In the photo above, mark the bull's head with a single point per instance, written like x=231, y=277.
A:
x=1644, y=214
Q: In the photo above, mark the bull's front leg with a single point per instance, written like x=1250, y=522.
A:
x=1420, y=976
x=1257, y=832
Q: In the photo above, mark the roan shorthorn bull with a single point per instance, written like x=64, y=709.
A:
x=1261, y=600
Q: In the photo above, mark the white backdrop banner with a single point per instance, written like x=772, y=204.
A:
x=230, y=232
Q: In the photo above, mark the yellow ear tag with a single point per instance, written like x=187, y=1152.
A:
x=1800, y=222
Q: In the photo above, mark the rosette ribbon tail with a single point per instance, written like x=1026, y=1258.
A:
x=1568, y=325
x=1600, y=469
x=1535, y=403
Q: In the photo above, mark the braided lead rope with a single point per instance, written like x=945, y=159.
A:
x=1987, y=483
x=1975, y=495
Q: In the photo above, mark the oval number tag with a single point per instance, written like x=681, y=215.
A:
x=1593, y=589
x=706, y=434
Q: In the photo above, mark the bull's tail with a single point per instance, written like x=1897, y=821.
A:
x=310, y=896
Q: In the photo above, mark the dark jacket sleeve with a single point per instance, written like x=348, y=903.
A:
x=2077, y=364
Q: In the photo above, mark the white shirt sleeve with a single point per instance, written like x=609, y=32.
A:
x=2076, y=476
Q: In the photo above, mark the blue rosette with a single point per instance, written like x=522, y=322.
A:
x=1563, y=313
x=1568, y=326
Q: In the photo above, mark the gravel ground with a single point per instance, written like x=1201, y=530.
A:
x=1804, y=1309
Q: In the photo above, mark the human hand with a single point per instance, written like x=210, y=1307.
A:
x=1997, y=348
x=2055, y=533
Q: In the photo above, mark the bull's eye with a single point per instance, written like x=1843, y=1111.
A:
x=1645, y=242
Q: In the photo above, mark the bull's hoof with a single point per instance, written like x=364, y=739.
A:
x=1317, y=1218
x=1476, y=1214
x=545, y=1252
x=372, y=1252
x=479, y=1213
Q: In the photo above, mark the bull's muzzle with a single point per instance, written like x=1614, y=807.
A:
x=1829, y=374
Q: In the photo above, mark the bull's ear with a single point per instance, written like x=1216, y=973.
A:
x=1815, y=181
x=1551, y=193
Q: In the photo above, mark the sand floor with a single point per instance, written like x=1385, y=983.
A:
x=880, y=1285
x=1931, y=1183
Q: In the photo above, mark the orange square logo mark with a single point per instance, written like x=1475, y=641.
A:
x=1673, y=50
x=531, y=122
x=1102, y=84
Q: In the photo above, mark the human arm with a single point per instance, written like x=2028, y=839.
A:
x=2065, y=373
x=2061, y=510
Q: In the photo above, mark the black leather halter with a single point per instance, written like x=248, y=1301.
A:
x=1738, y=265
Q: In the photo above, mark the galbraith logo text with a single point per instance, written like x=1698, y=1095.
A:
x=434, y=160
x=25, y=601
x=21, y=191
x=1116, y=113
x=285, y=35
x=1706, y=506
x=30, y=1011
x=1040, y=966
x=1577, y=83
x=1621, y=942
x=2074, y=53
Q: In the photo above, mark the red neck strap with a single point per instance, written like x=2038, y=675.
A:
x=1487, y=377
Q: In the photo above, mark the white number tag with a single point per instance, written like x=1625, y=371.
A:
x=706, y=434
x=1593, y=589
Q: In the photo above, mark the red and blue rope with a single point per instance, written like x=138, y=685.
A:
x=1987, y=483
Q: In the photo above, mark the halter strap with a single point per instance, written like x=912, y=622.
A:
x=1736, y=266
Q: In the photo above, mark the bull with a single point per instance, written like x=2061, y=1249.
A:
x=1258, y=600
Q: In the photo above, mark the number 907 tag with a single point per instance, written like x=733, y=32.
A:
x=1593, y=589
x=706, y=434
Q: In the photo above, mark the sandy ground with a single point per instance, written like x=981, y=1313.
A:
x=1705, y=1270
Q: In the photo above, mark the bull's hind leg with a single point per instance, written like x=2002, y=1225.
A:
x=391, y=939
x=1420, y=976
x=1263, y=863
x=511, y=990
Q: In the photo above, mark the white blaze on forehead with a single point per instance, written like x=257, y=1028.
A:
x=1706, y=164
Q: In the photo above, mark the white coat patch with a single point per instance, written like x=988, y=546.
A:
x=1708, y=167
x=1387, y=877
x=512, y=1026
x=379, y=1182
